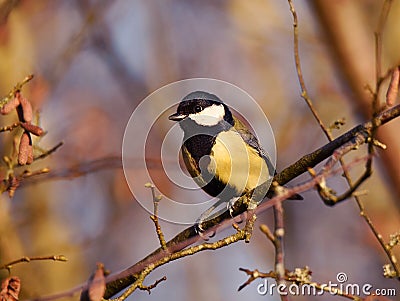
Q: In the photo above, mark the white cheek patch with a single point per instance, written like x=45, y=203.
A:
x=210, y=116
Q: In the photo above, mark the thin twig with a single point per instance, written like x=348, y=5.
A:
x=326, y=130
x=10, y=127
x=304, y=93
x=375, y=122
x=150, y=287
x=267, y=231
x=154, y=217
x=16, y=89
x=251, y=218
x=279, y=235
x=325, y=192
x=279, y=250
x=255, y=275
x=378, y=45
x=80, y=169
x=300, y=276
x=9, y=265
x=50, y=151
x=139, y=278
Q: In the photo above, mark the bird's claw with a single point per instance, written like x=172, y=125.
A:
x=231, y=208
x=201, y=231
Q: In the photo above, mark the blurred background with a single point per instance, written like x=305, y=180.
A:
x=95, y=61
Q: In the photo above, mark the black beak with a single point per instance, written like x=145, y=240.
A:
x=177, y=117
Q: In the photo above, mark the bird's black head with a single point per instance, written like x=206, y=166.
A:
x=203, y=109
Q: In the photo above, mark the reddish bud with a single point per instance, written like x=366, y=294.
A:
x=30, y=155
x=25, y=153
x=393, y=89
x=34, y=129
x=9, y=106
x=96, y=285
x=26, y=109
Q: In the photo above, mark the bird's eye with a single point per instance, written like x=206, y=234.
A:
x=198, y=108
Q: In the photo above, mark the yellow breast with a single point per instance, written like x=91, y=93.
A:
x=237, y=164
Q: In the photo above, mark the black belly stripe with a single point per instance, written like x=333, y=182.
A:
x=199, y=146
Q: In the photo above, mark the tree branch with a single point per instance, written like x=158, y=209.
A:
x=189, y=235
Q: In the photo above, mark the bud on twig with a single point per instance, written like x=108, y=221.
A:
x=96, y=285
x=9, y=106
x=30, y=152
x=26, y=108
x=34, y=129
x=393, y=89
x=25, y=153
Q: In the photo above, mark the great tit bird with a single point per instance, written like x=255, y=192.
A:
x=221, y=154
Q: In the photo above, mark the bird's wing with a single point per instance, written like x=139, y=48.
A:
x=190, y=162
x=193, y=167
x=252, y=140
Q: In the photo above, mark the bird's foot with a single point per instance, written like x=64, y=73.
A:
x=201, y=231
x=201, y=223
